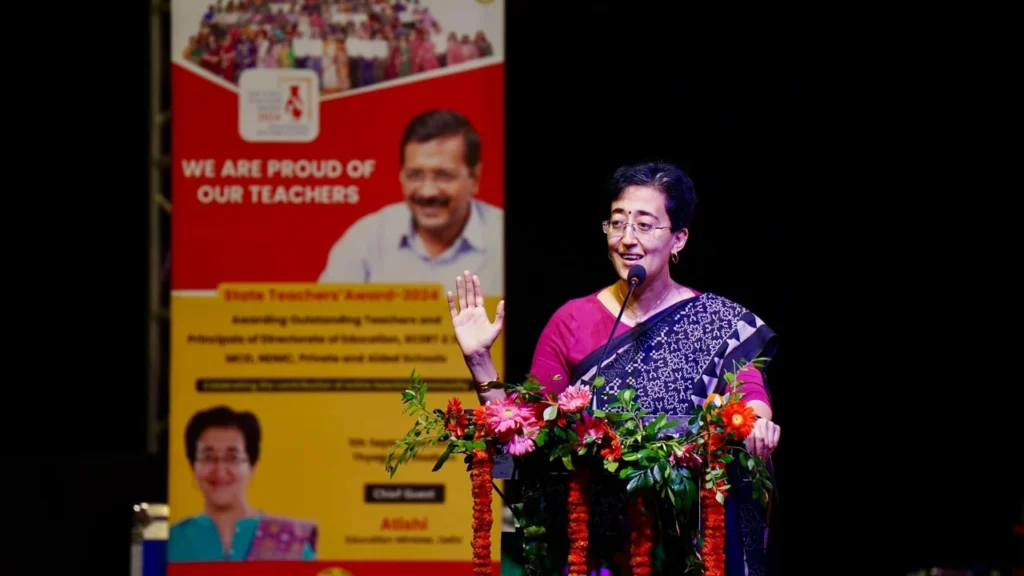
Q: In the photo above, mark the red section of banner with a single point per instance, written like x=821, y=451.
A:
x=325, y=569
x=285, y=242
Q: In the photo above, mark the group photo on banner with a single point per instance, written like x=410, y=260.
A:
x=335, y=166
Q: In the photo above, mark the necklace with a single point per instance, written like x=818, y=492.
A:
x=639, y=317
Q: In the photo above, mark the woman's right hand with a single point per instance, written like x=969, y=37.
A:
x=473, y=330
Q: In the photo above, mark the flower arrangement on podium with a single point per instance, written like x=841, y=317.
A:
x=563, y=436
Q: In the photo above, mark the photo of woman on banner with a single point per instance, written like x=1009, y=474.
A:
x=673, y=346
x=440, y=228
x=223, y=448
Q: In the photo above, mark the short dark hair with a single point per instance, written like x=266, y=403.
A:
x=439, y=123
x=669, y=179
x=224, y=417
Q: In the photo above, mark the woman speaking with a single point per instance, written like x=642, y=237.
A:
x=673, y=344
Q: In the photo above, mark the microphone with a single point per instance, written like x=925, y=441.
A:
x=636, y=276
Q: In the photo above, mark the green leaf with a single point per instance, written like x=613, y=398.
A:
x=727, y=458
x=653, y=427
x=611, y=466
x=666, y=470
x=750, y=464
x=444, y=456
x=598, y=382
x=667, y=424
x=600, y=414
x=541, y=438
x=627, y=395
x=567, y=461
x=534, y=531
x=551, y=412
x=648, y=453
x=720, y=497
x=630, y=456
x=479, y=445
x=743, y=459
x=656, y=474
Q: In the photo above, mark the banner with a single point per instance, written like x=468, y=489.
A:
x=335, y=166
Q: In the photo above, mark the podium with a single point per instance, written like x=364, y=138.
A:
x=597, y=493
x=541, y=494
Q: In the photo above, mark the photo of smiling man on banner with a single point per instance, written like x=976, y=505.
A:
x=439, y=228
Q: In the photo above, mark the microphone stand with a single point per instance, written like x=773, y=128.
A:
x=633, y=282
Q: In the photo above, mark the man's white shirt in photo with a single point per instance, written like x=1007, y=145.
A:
x=383, y=248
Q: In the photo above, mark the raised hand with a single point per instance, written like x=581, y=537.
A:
x=473, y=330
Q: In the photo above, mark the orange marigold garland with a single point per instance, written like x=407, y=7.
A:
x=579, y=522
x=713, y=513
x=482, y=464
x=641, y=537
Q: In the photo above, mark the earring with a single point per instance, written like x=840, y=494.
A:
x=675, y=257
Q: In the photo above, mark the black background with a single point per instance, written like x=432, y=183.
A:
x=821, y=148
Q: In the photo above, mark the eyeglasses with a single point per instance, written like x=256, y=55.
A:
x=418, y=177
x=228, y=460
x=617, y=228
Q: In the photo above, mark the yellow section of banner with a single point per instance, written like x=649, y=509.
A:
x=322, y=369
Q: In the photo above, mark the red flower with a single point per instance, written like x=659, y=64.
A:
x=686, y=457
x=540, y=407
x=611, y=447
x=455, y=418
x=739, y=419
x=591, y=427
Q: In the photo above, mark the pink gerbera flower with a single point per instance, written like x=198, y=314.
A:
x=522, y=441
x=503, y=417
x=574, y=399
x=519, y=445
